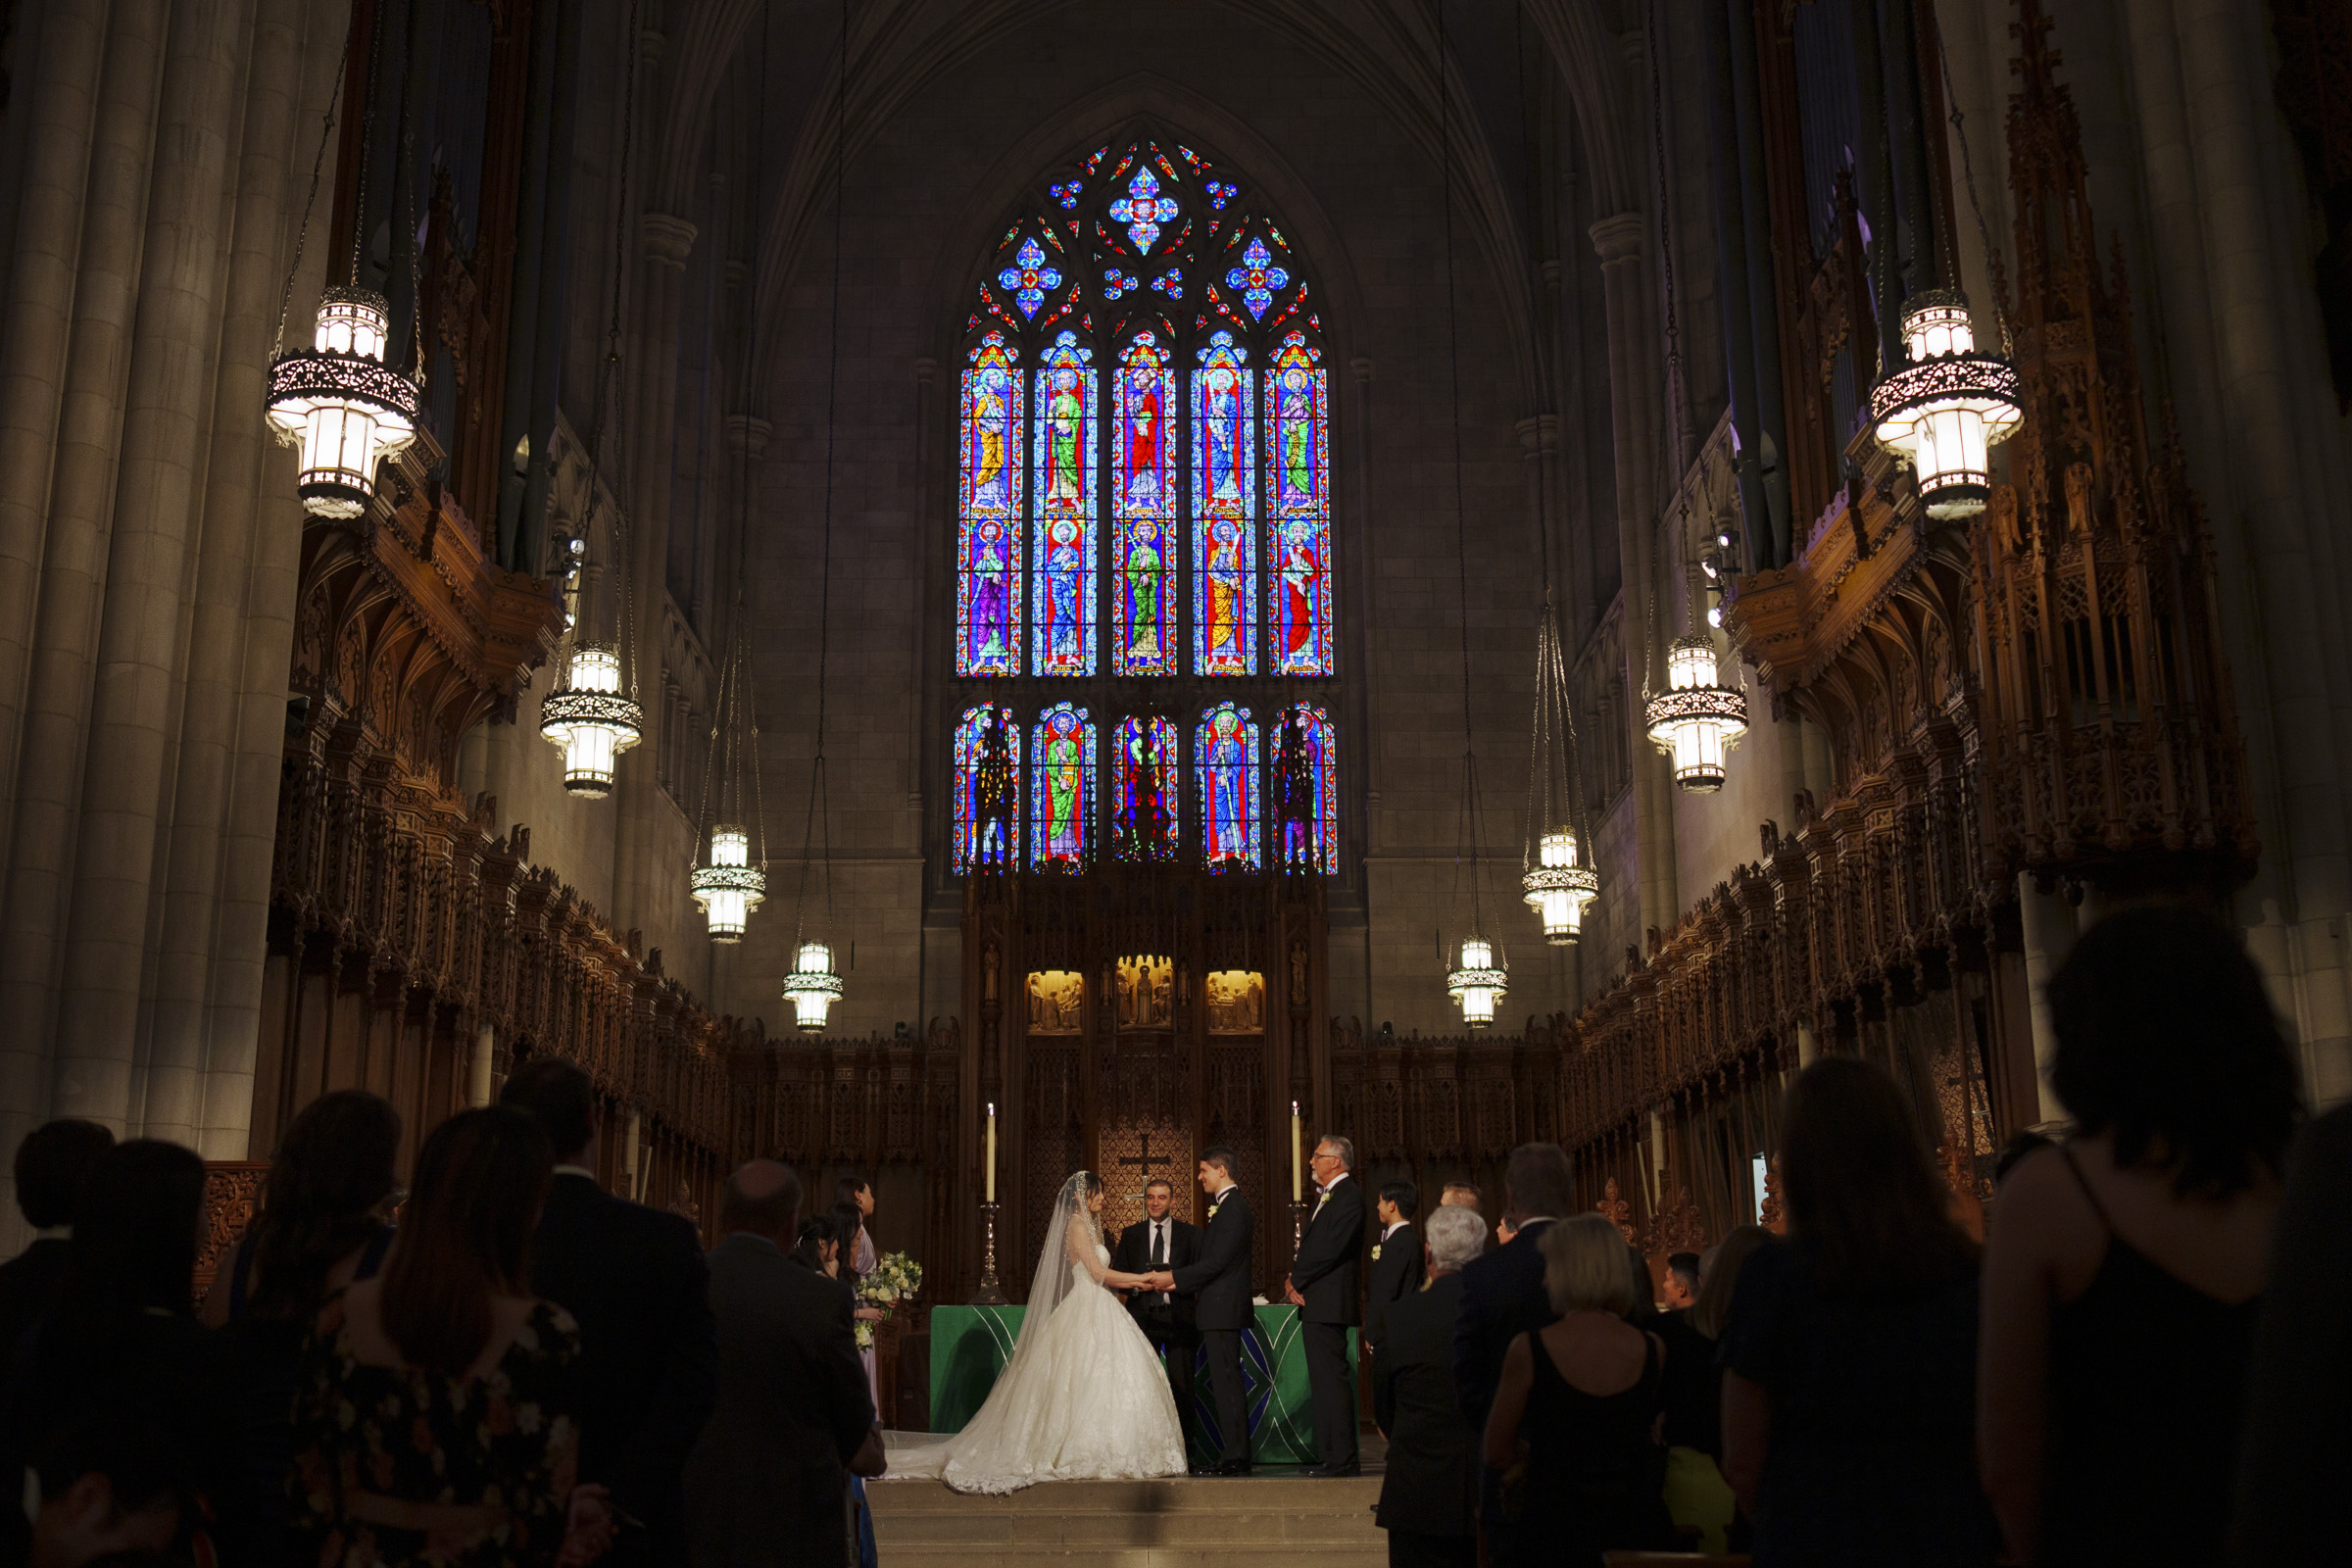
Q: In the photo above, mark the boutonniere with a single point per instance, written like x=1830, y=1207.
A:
x=1375, y=1252
x=1213, y=1208
x=1322, y=1198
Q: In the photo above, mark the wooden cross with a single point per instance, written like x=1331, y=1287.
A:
x=1147, y=1159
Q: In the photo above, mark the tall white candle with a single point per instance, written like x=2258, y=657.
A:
x=992, y=1151
x=1297, y=1191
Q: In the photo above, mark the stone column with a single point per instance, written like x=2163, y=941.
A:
x=201, y=929
x=2049, y=930
x=35, y=334
x=138, y=644
x=478, y=1065
x=73, y=570
x=1634, y=409
x=665, y=241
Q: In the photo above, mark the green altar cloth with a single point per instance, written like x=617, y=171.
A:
x=970, y=1345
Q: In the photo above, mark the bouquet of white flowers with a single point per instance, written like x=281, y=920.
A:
x=893, y=1277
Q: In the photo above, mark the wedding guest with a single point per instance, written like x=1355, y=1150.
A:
x=322, y=1225
x=2298, y=1445
x=1397, y=1269
x=649, y=1351
x=1680, y=1288
x=1322, y=1284
x=108, y=1487
x=1847, y=1400
x=1428, y=1486
x=52, y=1164
x=1579, y=1408
x=1459, y=1193
x=818, y=1246
x=1696, y=1494
x=2127, y=1267
x=770, y=1479
x=1161, y=1241
x=438, y=1411
x=1503, y=1297
x=121, y=1342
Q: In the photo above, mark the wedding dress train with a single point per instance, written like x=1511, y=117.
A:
x=1083, y=1397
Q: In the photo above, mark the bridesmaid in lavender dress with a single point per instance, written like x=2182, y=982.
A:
x=853, y=1207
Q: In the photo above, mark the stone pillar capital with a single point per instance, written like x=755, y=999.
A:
x=1552, y=271
x=926, y=370
x=665, y=238
x=1619, y=238
x=747, y=433
x=1540, y=434
x=1362, y=368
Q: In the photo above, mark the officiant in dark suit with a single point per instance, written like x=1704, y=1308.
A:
x=1323, y=1286
x=1161, y=1240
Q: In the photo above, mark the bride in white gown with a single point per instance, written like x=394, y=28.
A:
x=1083, y=1397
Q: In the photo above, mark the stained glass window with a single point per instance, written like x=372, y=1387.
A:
x=1225, y=761
x=988, y=568
x=1143, y=805
x=986, y=830
x=1144, y=495
x=1062, y=609
x=1061, y=790
x=1307, y=788
x=1299, y=523
x=1224, y=512
x=1143, y=515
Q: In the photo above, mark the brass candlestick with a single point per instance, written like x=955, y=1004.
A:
x=989, y=1293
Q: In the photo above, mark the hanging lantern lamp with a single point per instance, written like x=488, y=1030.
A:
x=1476, y=982
x=1946, y=409
x=811, y=986
x=591, y=721
x=1558, y=889
x=340, y=405
x=1695, y=718
x=730, y=887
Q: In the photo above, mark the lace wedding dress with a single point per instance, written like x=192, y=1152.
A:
x=1083, y=1397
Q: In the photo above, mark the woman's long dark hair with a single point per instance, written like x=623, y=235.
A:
x=1863, y=1193
x=2167, y=1041
x=465, y=1235
x=332, y=1168
x=848, y=1225
x=134, y=1236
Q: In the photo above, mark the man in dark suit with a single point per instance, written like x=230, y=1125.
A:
x=1218, y=1281
x=1161, y=1240
x=1429, y=1492
x=770, y=1480
x=1395, y=1257
x=52, y=1164
x=1323, y=1286
x=1503, y=1298
x=634, y=1279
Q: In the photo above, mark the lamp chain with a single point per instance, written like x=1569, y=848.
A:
x=302, y=233
x=1968, y=177
x=824, y=596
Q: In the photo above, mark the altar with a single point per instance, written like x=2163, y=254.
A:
x=970, y=1345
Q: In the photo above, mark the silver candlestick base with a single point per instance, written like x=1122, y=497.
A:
x=989, y=1292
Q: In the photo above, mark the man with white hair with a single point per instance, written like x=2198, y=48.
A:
x=1429, y=1495
x=1323, y=1286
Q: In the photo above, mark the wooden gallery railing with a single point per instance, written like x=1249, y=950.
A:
x=399, y=926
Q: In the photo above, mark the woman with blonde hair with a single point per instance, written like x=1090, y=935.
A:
x=1578, y=1416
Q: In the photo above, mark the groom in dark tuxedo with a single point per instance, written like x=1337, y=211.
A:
x=1323, y=1286
x=1218, y=1281
x=1161, y=1240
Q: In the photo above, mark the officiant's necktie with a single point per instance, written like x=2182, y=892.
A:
x=1159, y=1251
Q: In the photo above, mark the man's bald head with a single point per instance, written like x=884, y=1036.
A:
x=764, y=1198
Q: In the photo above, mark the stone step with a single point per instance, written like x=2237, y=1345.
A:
x=1132, y=1524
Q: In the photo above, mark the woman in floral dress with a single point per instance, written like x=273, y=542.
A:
x=436, y=1418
